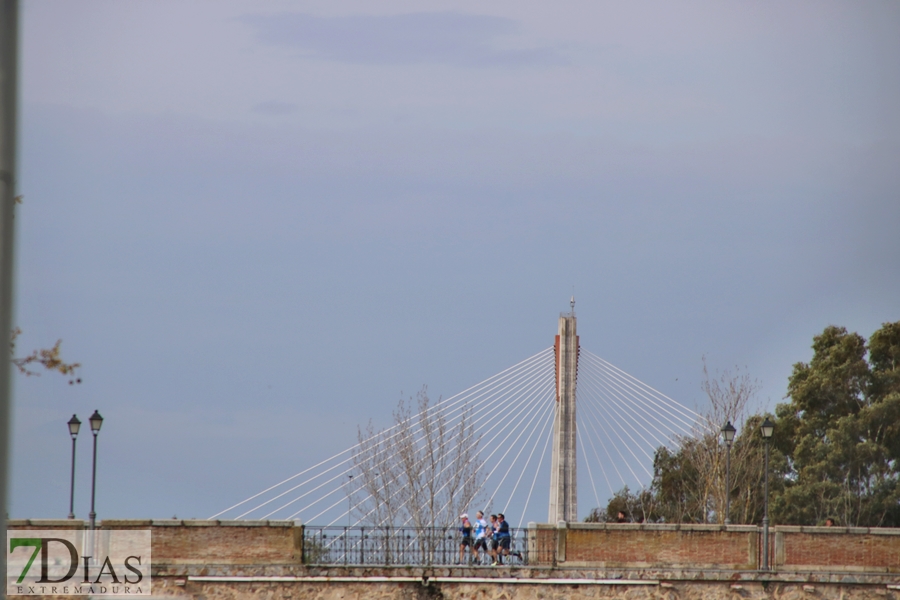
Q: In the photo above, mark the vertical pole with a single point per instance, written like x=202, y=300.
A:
x=93, y=515
x=728, y=483
x=72, y=484
x=563, y=477
x=765, y=553
x=9, y=44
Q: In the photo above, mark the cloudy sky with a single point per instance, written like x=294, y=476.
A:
x=258, y=225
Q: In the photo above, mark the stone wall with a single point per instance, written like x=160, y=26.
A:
x=695, y=590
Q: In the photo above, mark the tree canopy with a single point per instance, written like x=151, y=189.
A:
x=835, y=452
x=841, y=431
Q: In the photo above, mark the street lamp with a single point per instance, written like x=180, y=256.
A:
x=767, y=428
x=728, y=435
x=96, y=421
x=350, y=501
x=74, y=426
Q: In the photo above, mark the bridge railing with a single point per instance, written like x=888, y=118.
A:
x=413, y=546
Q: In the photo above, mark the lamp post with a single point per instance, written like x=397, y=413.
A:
x=767, y=428
x=728, y=435
x=349, y=500
x=96, y=421
x=74, y=426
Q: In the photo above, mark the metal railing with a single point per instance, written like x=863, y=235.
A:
x=412, y=546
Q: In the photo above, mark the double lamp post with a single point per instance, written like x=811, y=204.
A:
x=728, y=431
x=96, y=422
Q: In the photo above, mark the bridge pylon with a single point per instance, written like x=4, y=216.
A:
x=563, y=480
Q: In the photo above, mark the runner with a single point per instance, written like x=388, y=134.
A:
x=481, y=528
x=465, y=530
x=495, y=541
x=504, y=541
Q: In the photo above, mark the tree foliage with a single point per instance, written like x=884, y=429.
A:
x=689, y=481
x=48, y=358
x=835, y=452
x=841, y=431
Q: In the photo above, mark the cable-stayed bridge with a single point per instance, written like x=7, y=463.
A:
x=561, y=429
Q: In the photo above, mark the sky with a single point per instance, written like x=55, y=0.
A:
x=258, y=226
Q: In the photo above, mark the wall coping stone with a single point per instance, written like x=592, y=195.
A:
x=124, y=523
x=212, y=523
x=54, y=523
x=663, y=527
x=838, y=530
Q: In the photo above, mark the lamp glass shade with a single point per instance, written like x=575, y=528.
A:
x=74, y=426
x=767, y=428
x=96, y=421
x=728, y=432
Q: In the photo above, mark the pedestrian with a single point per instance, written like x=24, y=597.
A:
x=495, y=538
x=481, y=529
x=504, y=540
x=829, y=522
x=465, y=529
x=621, y=518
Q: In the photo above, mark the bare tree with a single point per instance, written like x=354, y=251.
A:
x=49, y=358
x=730, y=394
x=423, y=471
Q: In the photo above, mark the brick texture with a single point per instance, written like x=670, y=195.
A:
x=643, y=546
x=866, y=550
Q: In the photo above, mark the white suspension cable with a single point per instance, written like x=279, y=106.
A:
x=612, y=394
x=513, y=394
x=615, y=430
x=385, y=449
x=624, y=425
x=543, y=414
x=608, y=380
x=533, y=448
x=690, y=414
x=530, y=359
x=365, y=499
x=587, y=465
x=600, y=462
x=597, y=422
x=468, y=439
x=537, y=471
x=505, y=425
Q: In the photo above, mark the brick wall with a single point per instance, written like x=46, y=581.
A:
x=653, y=545
x=850, y=549
x=199, y=542
x=634, y=546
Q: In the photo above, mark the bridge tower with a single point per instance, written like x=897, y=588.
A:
x=563, y=488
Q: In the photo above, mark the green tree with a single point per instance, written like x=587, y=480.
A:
x=835, y=451
x=638, y=507
x=689, y=481
x=840, y=432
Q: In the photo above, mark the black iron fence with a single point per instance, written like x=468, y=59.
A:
x=414, y=546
